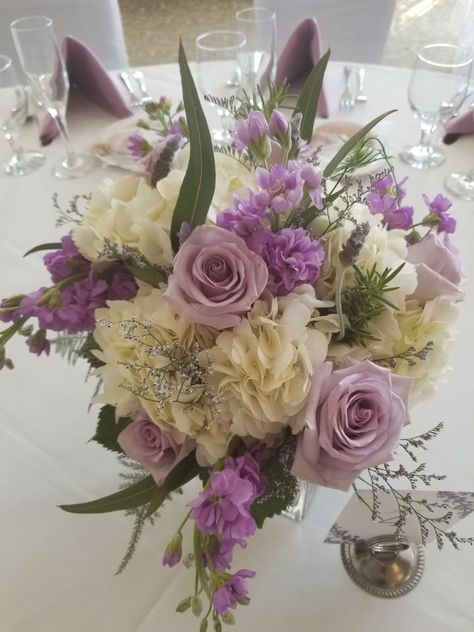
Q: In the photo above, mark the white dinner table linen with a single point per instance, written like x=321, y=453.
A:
x=58, y=568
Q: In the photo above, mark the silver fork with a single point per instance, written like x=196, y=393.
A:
x=361, y=97
x=347, y=100
x=127, y=82
x=140, y=79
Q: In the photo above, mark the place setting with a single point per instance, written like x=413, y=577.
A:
x=246, y=343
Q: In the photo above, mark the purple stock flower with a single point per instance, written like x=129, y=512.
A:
x=221, y=556
x=385, y=199
x=313, y=178
x=173, y=551
x=232, y=592
x=284, y=188
x=279, y=128
x=223, y=507
x=247, y=468
x=12, y=309
x=245, y=216
x=250, y=131
x=38, y=343
x=65, y=261
x=138, y=146
x=439, y=216
x=292, y=258
x=72, y=308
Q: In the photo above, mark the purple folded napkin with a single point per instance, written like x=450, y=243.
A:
x=87, y=74
x=301, y=52
x=462, y=124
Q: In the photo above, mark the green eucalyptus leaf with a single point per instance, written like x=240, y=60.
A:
x=351, y=143
x=199, y=182
x=307, y=102
x=108, y=429
x=134, y=496
x=54, y=245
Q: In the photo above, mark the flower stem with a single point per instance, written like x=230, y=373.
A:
x=340, y=273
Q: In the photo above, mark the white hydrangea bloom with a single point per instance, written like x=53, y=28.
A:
x=123, y=379
x=263, y=367
x=130, y=212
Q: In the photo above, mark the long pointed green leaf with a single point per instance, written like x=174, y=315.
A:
x=56, y=245
x=133, y=496
x=352, y=142
x=308, y=100
x=199, y=182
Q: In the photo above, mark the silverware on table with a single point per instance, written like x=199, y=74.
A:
x=347, y=100
x=126, y=79
x=140, y=80
x=361, y=97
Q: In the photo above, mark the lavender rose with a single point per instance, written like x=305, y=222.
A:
x=216, y=278
x=147, y=443
x=438, y=268
x=353, y=421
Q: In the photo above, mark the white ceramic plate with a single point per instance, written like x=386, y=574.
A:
x=333, y=134
x=111, y=146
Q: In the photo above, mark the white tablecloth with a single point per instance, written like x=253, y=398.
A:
x=57, y=568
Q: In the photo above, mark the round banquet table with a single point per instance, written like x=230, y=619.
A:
x=58, y=568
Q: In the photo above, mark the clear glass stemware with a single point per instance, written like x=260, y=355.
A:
x=461, y=184
x=218, y=75
x=438, y=86
x=43, y=64
x=258, y=59
x=13, y=113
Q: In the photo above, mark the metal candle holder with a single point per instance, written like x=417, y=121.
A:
x=384, y=566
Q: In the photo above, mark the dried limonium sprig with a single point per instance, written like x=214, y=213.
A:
x=432, y=516
x=126, y=253
x=73, y=213
x=175, y=374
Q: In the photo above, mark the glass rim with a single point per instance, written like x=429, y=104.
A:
x=240, y=42
x=31, y=23
x=468, y=56
x=267, y=15
x=5, y=62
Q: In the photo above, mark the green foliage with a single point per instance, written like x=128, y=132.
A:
x=366, y=300
x=90, y=345
x=362, y=155
x=351, y=143
x=308, y=100
x=69, y=346
x=281, y=490
x=56, y=245
x=108, y=429
x=197, y=190
x=143, y=493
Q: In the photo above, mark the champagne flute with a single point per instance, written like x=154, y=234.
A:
x=43, y=64
x=218, y=75
x=13, y=112
x=438, y=86
x=258, y=61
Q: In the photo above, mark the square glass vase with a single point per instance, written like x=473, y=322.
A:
x=300, y=506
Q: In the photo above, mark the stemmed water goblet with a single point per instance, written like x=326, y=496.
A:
x=13, y=113
x=258, y=59
x=438, y=86
x=44, y=67
x=218, y=75
x=461, y=184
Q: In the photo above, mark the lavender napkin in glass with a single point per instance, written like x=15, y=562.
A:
x=88, y=75
x=462, y=124
x=300, y=53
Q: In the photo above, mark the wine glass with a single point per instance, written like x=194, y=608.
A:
x=13, y=112
x=258, y=61
x=438, y=86
x=43, y=64
x=218, y=75
x=461, y=184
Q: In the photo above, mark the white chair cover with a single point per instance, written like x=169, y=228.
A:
x=355, y=30
x=97, y=23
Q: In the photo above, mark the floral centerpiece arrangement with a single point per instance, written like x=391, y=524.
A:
x=252, y=318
